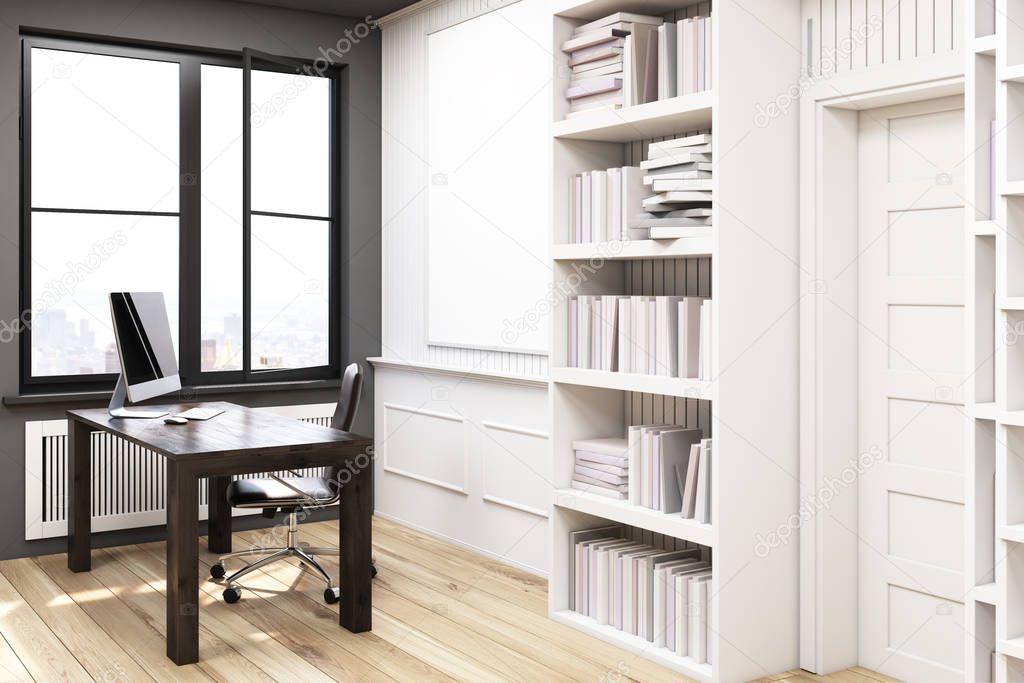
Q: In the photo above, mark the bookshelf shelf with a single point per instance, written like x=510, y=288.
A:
x=1013, y=188
x=634, y=515
x=985, y=593
x=1014, y=533
x=637, y=249
x=651, y=120
x=635, y=644
x=985, y=228
x=985, y=45
x=625, y=381
x=1013, y=73
x=984, y=411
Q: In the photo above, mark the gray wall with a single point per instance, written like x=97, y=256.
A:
x=202, y=23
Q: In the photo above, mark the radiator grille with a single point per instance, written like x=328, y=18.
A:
x=128, y=480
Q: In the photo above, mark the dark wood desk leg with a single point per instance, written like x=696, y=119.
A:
x=219, y=515
x=355, y=541
x=182, y=564
x=79, y=496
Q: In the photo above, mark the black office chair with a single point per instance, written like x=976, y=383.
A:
x=289, y=494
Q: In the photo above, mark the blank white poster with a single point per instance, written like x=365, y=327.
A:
x=490, y=84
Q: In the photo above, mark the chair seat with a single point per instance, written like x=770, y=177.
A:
x=272, y=493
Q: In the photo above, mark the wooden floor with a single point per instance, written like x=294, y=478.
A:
x=440, y=613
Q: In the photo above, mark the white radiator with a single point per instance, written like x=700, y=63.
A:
x=128, y=480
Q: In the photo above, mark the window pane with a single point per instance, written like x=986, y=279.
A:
x=290, y=265
x=104, y=132
x=221, y=215
x=291, y=143
x=77, y=260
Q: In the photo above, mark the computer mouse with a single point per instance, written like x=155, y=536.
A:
x=175, y=421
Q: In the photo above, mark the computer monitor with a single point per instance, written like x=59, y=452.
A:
x=145, y=347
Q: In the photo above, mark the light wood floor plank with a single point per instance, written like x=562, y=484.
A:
x=136, y=636
x=216, y=658
x=40, y=651
x=11, y=668
x=260, y=648
x=96, y=651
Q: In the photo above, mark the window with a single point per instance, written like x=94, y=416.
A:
x=135, y=172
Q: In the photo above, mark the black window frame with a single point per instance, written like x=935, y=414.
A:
x=190, y=61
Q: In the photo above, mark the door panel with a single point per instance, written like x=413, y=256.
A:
x=911, y=354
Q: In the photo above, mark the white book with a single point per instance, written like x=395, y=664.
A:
x=674, y=453
x=576, y=538
x=667, y=344
x=633, y=194
x=615, y=564
x=690, y=492
x=698, y=616
x=702, y=505
x=600, y=101
x=629, y=587
x=572, y=330
x=692, y=48
x=577, y=214
x=633, y=437
x=585, y=206
x=594, y=86
x=598, y=35
x=708, y=53
x=609, y=446
x=667, y=59
x=599, y=206
x=650, y=66
x=595, y=334
x=583, y=567
x=689, y=336
x=599, y=490
x=680, y=232
x=625, y=344
x=629, y=71
x=593, y=587
x=605, y=50
x=685, y=48
x=700, y=75
x=603, y=576
x=646, y=568
x=599, y=67
x=682, y=611
x=652, y=336
x=705, y=340
x=618, y=480
x=677, y=170
x=609, y=334
x=673, y=219
x=672, y=185
x=616, y=18
x=603, y=459
x=585, y=311
x=621, y=472
x=614, y=203
x=663, y=148
x=675, y=159
x=645, y=472
x=668, y=201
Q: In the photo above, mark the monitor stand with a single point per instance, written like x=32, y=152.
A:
x=117, y=409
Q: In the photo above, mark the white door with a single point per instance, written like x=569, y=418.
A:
x=911, y=341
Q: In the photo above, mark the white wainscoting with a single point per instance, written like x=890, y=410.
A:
x=465, y=457
x=128, y=481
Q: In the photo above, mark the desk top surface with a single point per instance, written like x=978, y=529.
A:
x=238, y=430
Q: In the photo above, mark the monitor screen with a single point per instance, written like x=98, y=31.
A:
x=144, y=342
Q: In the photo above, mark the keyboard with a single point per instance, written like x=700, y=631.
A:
x=200, y=413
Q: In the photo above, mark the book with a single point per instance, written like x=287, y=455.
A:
x=602, y=578
x=689, y=336
x=680, y=232
x=704, y=362
x=702, y=504
x=617, y=18
x=575, y=538
x=677, y=170
x=603, y=460
x=646, y=567
x=682, y=184
x=599, y=490
x=598, y=35
x=666, y=343
x=676, y=446
x=617, y=480
x=633, y=194
x=597, y=101
x=605, y=50
x=622, y=471
x=667, y=61
x=664, y=148
x=690, y=491
x=572, y=355
x=589, y=69
x=667, y=201
x=625, y=356
x=675, y=159
x=599, y=207
x=698, y=618
x=594, y=86
x=670, y=572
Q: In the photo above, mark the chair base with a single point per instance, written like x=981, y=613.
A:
x=301, y=551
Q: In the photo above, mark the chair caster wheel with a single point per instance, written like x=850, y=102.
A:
x=217, y=571
x=332, y=595
x=232, y=595
x=373, y=571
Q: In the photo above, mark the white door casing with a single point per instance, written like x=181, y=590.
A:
x=912, y=425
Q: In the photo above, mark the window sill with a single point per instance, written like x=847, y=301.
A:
x=212, y=390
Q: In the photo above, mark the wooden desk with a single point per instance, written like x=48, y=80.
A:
x=238, y=441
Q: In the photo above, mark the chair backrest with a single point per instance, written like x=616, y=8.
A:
x=348, y=400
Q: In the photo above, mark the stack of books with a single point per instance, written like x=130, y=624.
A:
x=666, y=336
x=679, y=175
x=627, y=59
x=614, y=63
x=602, y=467
x=667, y=197
x=671, y=468
x=656, y=594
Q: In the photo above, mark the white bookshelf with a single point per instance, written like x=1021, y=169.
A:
x=747, y=264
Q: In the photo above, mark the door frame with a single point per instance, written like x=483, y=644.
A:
x=829, y=138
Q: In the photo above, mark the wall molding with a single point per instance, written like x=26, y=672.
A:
x=479, y=375
x=422, y=478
